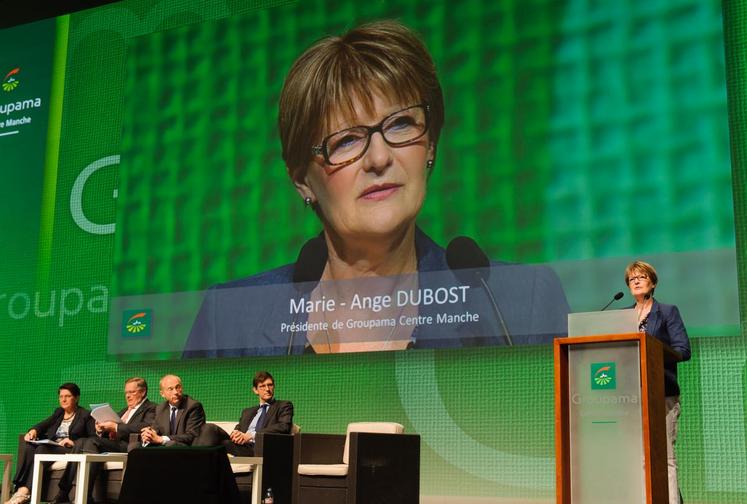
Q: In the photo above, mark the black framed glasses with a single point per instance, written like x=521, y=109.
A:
x=398, y=129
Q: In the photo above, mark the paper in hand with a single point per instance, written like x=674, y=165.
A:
x=104, y=413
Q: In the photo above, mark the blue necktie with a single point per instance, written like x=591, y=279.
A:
x=262, y=417
x=172, y=422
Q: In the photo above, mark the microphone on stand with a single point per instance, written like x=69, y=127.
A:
x=617, y=297
x=307, y=271
x=464, y=253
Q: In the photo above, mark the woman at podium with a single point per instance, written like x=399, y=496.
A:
x=662, y=321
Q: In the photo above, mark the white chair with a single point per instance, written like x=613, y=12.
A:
x=276, y=451
x=244, y=468
x=7, y=461
x=372, y=462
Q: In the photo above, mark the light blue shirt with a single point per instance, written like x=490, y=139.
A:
x=253, y=425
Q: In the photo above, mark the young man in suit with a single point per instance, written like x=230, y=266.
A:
x=111, y=436
x=270, y=415
x=179, y=418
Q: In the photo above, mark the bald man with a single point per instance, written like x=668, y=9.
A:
x=179, y=418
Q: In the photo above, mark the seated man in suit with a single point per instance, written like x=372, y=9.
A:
x=270, y=415
x=112, y=436
x=179, y=418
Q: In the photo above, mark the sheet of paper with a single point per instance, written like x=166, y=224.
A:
x=104, y=413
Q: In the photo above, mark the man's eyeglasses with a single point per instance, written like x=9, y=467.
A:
x=263, y=386
x=397, y=129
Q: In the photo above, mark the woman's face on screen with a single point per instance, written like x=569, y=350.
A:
x=379, y=194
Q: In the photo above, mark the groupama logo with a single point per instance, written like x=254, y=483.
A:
x=136, y=323
x=10, y=82
x=603, y=376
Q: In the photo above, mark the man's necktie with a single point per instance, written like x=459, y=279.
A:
x=262, y=417
x=113, y=434
x=172, y=421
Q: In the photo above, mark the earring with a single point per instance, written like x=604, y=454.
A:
x=307, y=201
x=429, y=164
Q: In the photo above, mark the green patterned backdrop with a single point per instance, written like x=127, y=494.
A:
x=578, y=133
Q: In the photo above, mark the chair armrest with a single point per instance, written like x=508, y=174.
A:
x=266, y=443
x=319, y=448
x=20, y=452
x=276, y=451
x=391, y=458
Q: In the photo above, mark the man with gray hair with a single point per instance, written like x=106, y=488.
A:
x=112, y=436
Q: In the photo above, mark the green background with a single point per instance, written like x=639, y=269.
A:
x=575, y=131
x=23, y=152
x=563, y=143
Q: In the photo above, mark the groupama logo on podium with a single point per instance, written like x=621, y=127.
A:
x=603, y=376
x=10, y=82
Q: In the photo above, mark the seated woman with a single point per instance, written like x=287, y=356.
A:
x=360, y=118
x=68, y=423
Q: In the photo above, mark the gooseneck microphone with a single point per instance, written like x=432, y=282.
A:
x=617, y=297
x=307, y=271
x=463, y=253
x=311, y=261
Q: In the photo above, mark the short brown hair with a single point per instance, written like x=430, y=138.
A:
x=140, y=382
x=642, y=267
x=260, y=377
x=383, y=57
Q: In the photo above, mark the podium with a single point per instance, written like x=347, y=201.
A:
x=610, y=429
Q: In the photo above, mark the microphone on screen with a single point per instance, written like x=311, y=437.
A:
x=465, y=257
x=307, y=271
x=617, y=297
x=311, y=261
